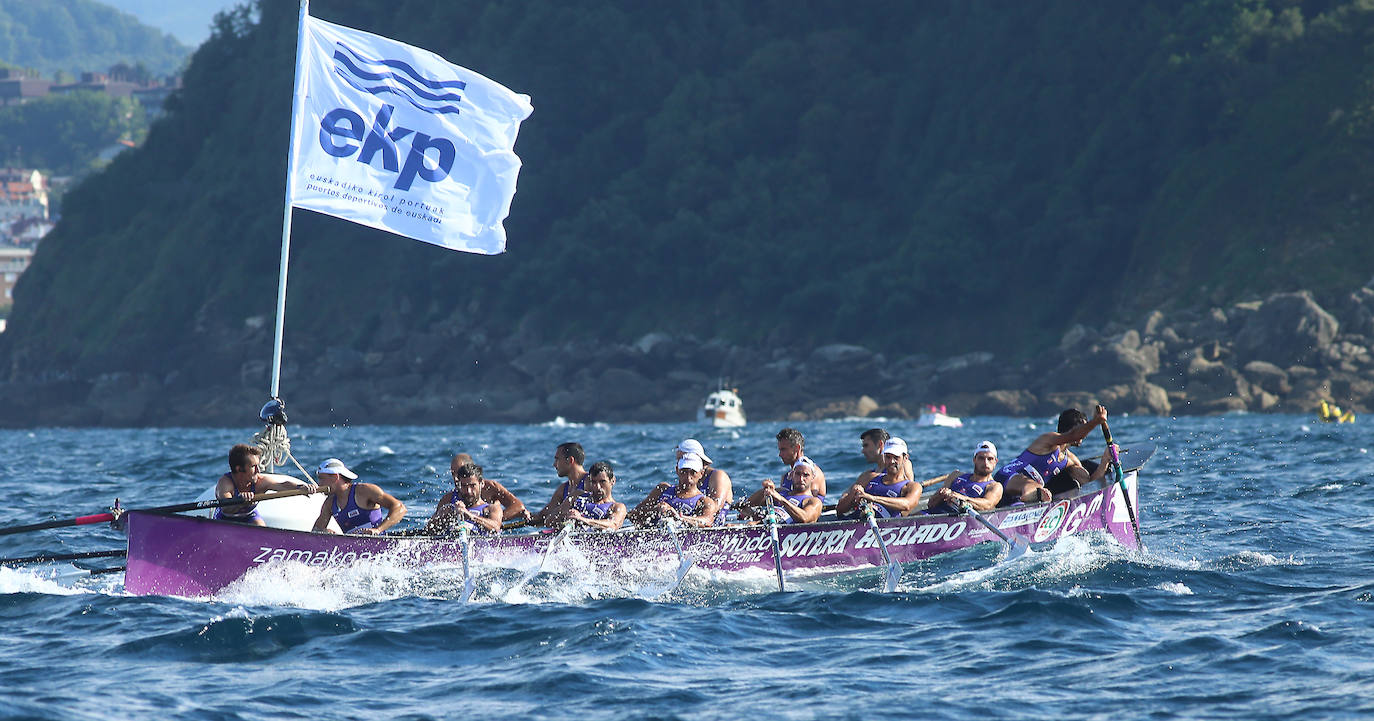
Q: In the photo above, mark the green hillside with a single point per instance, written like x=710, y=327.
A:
x=81, y=35
x=911, y=177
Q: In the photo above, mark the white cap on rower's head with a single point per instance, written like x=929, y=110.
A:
x=986, y=447
x=336, y=466
x=894, y=446
x=692, y=445
x=804, y=461
x=690, y=460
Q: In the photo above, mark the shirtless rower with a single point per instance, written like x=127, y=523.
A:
x=357, y=507
x=595, y=507
x=465, y=505
x=684, y=502
x=791, y=448
x=892, y=493
x=1047, y=466
x=245, y=480
x=567, y=462
x=977, y=489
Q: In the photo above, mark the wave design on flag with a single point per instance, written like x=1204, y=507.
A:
x=407, y=83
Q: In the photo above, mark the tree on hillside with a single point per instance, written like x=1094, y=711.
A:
x=64, y=134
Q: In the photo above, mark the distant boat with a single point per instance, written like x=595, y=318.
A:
x=722, y=409
x=933, y=416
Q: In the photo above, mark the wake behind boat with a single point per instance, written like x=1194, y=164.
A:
x=195, y=557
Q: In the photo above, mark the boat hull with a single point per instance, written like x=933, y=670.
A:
x=196, y=557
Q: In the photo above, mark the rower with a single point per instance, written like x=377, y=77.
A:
x=491, y=490
x=716, y=482
x=358, y=507
x=791, y=448
x=892, y=493
x=685, y=502
x=245, y=480
x=871, y=445
x=1047, y=466
x=977, y=489
x=465, y=505
x=595, y=507
x=567, y=462
x=798, y=505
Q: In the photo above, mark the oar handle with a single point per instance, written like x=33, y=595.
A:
x=114, y=553
x=1107, y=433
x=107, y=517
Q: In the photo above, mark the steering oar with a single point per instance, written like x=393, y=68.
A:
x=1121, y=481
x=117, y=511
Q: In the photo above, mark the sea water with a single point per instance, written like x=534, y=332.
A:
x=1252, y=599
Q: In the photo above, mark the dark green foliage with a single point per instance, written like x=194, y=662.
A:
x=914, y=177
x=64, y=134
x=81, y=35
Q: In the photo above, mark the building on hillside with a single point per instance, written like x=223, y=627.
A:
x=152, y=97
x=99, y=83
x=20, y=86
x=23, y=206
x=13, y=263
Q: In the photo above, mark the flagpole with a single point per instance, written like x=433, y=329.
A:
x=296, y=97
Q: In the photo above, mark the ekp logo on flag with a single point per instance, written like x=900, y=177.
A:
x=395, y=137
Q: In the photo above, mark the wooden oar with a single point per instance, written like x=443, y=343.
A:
x=894, y=570
x=1121, y=481
x=1015, y=549
x=196, y=506
x=113, y=553
x=777, y=547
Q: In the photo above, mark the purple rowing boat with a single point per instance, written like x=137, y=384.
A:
x=196, y=557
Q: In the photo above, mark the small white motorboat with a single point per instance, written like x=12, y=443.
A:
x=722, y=409
x=933, y=416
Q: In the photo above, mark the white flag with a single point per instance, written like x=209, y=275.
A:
x=397, y=138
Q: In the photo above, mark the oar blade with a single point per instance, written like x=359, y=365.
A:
x=1015, y=549
x=894, y=574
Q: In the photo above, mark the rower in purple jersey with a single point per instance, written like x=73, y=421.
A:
x=892, y=493
x=684, y=502
x=465, y=505
x=791, y=448
x=567, y=462
x=1047, y=466
x=977, y=489
x=797, y=505
x=595, y=507
x=365, y=508
x=714, y=481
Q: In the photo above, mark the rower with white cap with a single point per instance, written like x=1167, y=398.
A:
x=714, y=481
x=684, y=502
x=358, y=507
x=796, y=505
x=791, y=448
x=978, y=489
x=892, y=493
